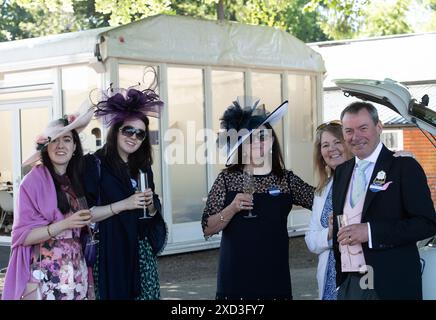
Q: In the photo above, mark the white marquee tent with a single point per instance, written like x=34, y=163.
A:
x=202, y=67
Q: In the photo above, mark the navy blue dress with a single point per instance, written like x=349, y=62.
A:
x=123, y=251
x=254, y=253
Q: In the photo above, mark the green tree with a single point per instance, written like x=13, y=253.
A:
x=11, y=16
x=340, y=19
x=206, y=9
x=304, y=25
x=31, y=18
x=431, y=24
x=431, y=4
x=384, y=18
x=125, y=11
x=56, y=16
x=284, y=14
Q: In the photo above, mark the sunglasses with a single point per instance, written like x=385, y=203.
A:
x=333, y=123
x=129, y=131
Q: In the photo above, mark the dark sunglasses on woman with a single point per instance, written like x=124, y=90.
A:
x=129, y=131
x=333, y=123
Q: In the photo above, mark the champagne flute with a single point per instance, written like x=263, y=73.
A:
x=341, y=221
x=142, y=186
x=340, y=218
x=82, y=204
x=248, y=187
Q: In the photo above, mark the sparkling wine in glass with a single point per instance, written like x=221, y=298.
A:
x=83, y=205
x=142, y=186
x=248, y=187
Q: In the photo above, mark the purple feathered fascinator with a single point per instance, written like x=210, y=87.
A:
x=120, y=104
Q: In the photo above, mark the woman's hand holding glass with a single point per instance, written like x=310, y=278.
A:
x=242, y=201
x=148, y=193
x=135, y=201
x=86, y=213
x=78, y=219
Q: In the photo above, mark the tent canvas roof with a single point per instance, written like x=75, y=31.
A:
x=172, y=39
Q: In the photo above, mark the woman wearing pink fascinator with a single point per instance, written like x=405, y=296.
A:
x=46, y=259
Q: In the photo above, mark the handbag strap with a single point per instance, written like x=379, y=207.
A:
x=25, y=294
x=98, y=162
x=39, y=258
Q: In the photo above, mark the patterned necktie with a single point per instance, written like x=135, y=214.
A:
x=359, y=182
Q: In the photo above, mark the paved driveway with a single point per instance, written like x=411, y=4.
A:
x=192, y=276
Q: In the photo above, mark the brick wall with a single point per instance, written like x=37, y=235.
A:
x=414, y=141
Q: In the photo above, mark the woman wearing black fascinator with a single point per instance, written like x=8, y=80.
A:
x=249, y=202
x=119, y=185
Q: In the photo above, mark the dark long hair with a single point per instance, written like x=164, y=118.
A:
x=74, y=170
x=278, y=165
x=140, y=159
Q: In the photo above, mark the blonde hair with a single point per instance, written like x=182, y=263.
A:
x=322, y=170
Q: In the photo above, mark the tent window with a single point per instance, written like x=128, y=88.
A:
x=186, y=118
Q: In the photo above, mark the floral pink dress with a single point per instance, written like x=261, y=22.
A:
x=60, y=268
x=58, y=264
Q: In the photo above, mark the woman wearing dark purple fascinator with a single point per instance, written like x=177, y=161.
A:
x=119, y=187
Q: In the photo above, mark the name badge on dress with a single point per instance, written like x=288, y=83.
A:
x=274, y=191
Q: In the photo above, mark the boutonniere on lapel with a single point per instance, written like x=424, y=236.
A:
x=379, y=183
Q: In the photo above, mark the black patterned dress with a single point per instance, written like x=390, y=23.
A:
x=254, y=253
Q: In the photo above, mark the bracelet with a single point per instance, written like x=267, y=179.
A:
x=110, y=206
x=49, y=233
x=222, y=217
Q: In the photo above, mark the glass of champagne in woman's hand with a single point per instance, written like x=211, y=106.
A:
x=248, y=186
x=83, y=205
x=142, y=186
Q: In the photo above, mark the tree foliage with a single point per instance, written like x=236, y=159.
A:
x=384, y=18
x=285, y=14
x=11, y=16
x=33, y=18
x=340, y=19
x=125, y=11
x=308, y=20
x=431, y=24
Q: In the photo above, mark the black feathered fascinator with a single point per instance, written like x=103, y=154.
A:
x=240, y=120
